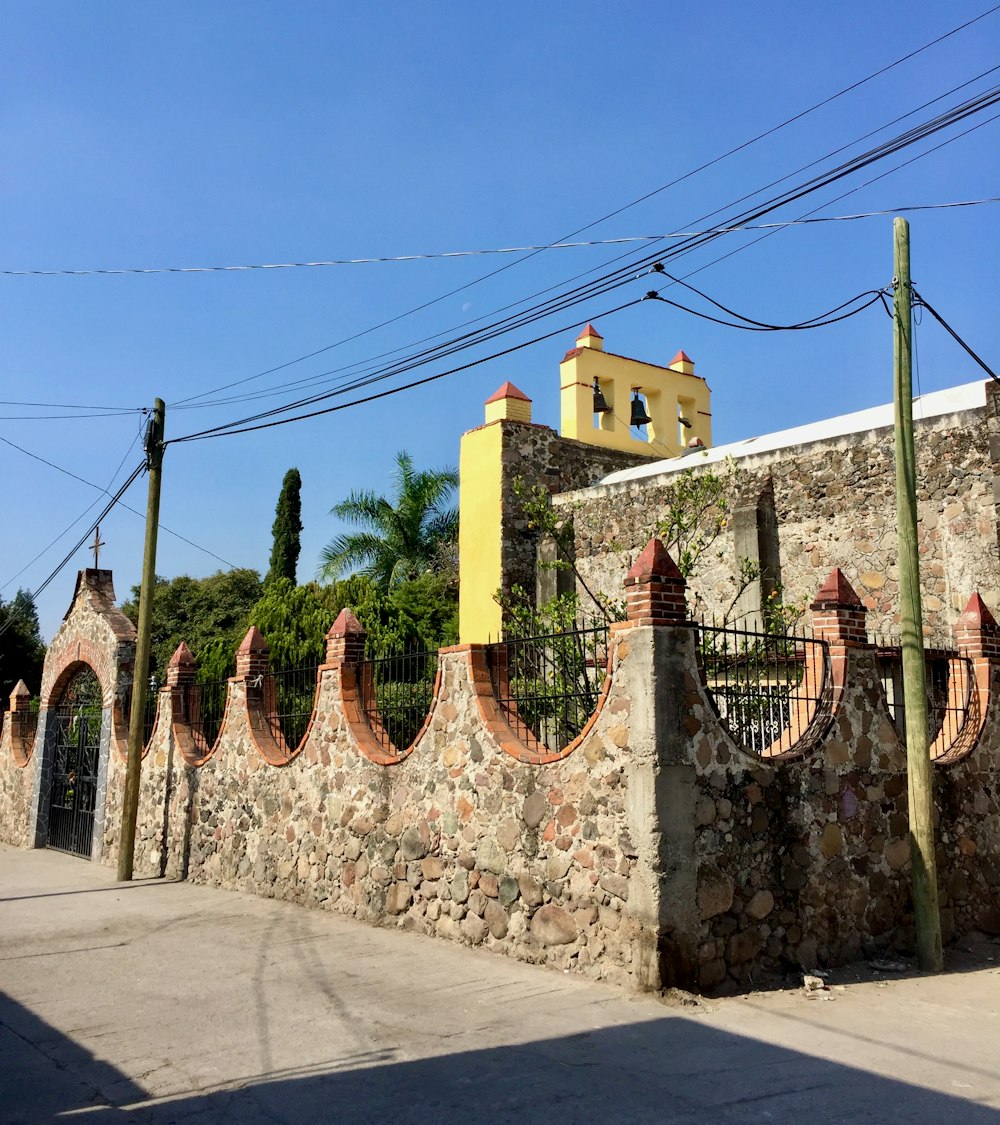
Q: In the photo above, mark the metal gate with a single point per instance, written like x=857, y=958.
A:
x=77, y=740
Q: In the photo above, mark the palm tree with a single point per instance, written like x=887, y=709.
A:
x=402, y=537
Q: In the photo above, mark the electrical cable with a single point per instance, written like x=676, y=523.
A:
x=954, y=335
x=624, y=274
x=612, y=214
x=136, y=472
x=757, y=326
x=394, y=390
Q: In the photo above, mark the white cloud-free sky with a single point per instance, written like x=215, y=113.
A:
x=192, y=134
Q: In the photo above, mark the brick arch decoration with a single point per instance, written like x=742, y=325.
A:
x=95, y=633
x=534, y=753
x=365, y=737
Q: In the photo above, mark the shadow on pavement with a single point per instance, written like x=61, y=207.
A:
x=671, y=1070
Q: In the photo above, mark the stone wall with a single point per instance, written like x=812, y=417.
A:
x=541, y=458
x=456, y=839
x=16, y=783
x=651, y=851
x=834, y=502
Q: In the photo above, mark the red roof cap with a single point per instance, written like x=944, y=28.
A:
x=837, y=590
x=590, y=330
x=508, y=390
x=977, y=613
x=654, y=560
x=682, y=357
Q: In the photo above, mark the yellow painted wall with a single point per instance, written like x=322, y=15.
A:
x=479, y=547
x=668, y=393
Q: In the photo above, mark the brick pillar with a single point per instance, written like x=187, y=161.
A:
x=345, y=642
x=180, y=677
x=655, y=588
x=838, y=617
x=20, y=699
x=180, y=670
x=253, y=655
x=976, y=632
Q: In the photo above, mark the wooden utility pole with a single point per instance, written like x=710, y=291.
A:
x=140, y=681
x=918, y=759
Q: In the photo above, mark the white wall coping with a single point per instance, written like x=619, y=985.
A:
x=969, y=396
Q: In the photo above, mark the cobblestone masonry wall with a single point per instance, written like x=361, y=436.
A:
x=16, y=782
x=835, y=506
x=540, y=457
x=655, y=852
x=459, y=839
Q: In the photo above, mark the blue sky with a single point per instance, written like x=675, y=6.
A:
x=222, y=134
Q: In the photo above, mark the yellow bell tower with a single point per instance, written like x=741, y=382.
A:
x=601, y=390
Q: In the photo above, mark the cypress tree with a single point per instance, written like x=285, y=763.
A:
x=286, y=529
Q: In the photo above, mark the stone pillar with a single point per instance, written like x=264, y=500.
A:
x=655, y=588
x=838, y=617
x=345, y=642
x=22, y=723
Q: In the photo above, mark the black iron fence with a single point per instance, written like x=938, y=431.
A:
x=948, y=679
x=203, y=707
x=149, y=711
x=289, y=697
x=771, y=690
x=549, y=686
x=395, y=693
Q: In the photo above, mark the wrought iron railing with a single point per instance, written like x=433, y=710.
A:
x=549, y=686
x=150, y=710
x=395, y=693
x=289, y=696
x=203, y=707
x=772, y=691
x=948, y=679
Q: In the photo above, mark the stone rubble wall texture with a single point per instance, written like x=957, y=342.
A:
x=458, y=839
x=655, y=852
x=835, y=506
x=16, y=784
x=541, y=458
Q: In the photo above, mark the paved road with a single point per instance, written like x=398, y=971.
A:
x=168, y=1002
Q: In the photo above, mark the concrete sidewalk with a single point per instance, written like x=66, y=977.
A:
x=171, y=1002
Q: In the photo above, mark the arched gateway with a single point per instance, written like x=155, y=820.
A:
x=88, y=667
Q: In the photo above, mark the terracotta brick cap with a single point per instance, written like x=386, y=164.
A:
x=20, y=694
x=183, y=656
x=590, y=330
x=507, y=390
x=976, y=615
x=836, y=590
x=654, y=562
x=682, y=357
x=253, y=642
x=572, y=353
x=346, y=625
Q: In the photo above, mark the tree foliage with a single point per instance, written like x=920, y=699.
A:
x=400, y=537
x=211, y=615
x=287, y=529
x=22, y=651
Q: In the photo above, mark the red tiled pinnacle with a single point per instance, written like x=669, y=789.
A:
x=654, y=562
x=508, y=390
x=346, y=625
x=590, y=330
x=182, y=656
x=976, y=614
x=681, y=357
x=253, y=641
x=837, y=590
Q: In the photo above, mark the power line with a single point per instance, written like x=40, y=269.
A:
x=443, y=254
x=626, y=273
x=612, y=214
x=923, y=303
x=106, y=492
x=432, y=255
x=224, y=431
x=692, y=238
